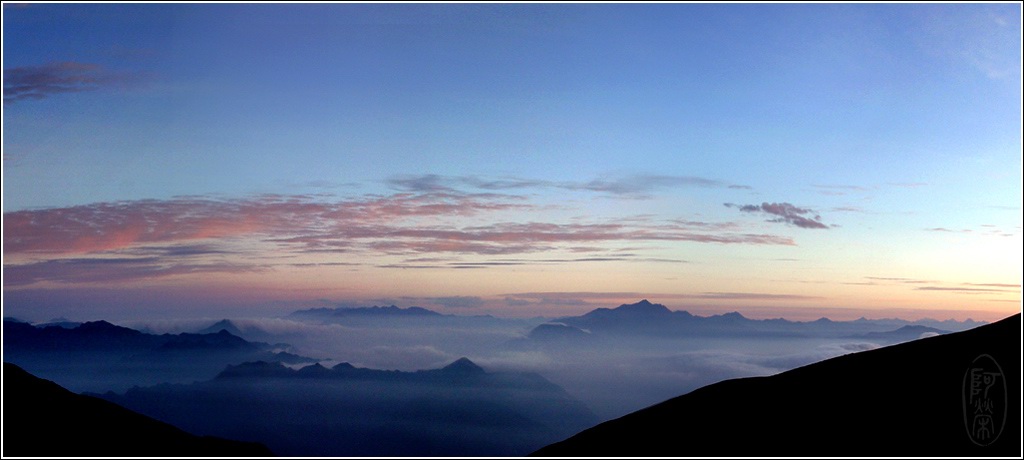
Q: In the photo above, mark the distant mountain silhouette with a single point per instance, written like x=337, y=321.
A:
x=99, y=356
x=60, y=322
x=456, y=410
x=903, y=334
x=463, y=366
x=42, y=419
x=557, y=332
x=641, y=309
x=940, y=396
x=655, y=320
x=224, y=324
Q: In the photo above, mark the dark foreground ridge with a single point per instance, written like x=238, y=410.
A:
x=938, y=396
x=42, y=419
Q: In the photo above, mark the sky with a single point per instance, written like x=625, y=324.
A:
x=780, y=160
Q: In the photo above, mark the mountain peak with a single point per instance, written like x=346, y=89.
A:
x=343, y=367
x=102, y=326
x=463, y=366
x=314, y=370
x=732, y=316
x=644, y=306
x=222, y=325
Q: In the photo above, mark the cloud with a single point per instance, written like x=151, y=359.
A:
x=839, y=190
x=963, y=289
x=422, y=183
x=1002, y=285
x=457, y=301
x=857, y=209
x=443, y=264
x=640, y=186
x=785, y=212
x=985, y=229
x=201, y=233
x=898, y=280
x=946, y=230
x=747, y=296
x=575, y=296
x=301, y=219
x=569, y=299
x=633, y=186
x=42, y=81
x=107, y=270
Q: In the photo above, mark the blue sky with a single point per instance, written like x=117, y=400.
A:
x=892, y=131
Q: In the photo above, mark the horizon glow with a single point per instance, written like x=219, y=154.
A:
x=779, y=160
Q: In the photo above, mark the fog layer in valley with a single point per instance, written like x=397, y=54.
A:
x=614, y=360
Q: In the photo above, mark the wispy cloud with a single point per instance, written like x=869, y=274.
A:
x=274, y=228
x=640, y=186
x=784, y=212
x=297, y=219
x=106, y=270
x=964, y=289
x=898, y=280
x=984, y=229
x=446, y=264
x=457, y=301
x=381, y=223
x=42, y=81
x=747, y=296
x=999, y=285
x=633, y=186
x=946, y=230
x=839, y=190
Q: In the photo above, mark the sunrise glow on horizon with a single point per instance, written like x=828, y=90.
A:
x=779, y=160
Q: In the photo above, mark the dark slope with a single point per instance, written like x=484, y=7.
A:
x=42, y=419
x=902, y=400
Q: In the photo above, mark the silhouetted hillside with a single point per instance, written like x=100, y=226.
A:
x=939, y=396
x=457, y=410
x=42, y=419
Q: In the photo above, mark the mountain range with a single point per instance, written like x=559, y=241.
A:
x=957, y=394
x=42, y=419
x=655, y=320
x=100, y=356
x=393, y=316
x=457, y=410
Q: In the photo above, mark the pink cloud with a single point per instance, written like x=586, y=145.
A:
x=110, y=226
x=42, y=81
x=154, y=238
